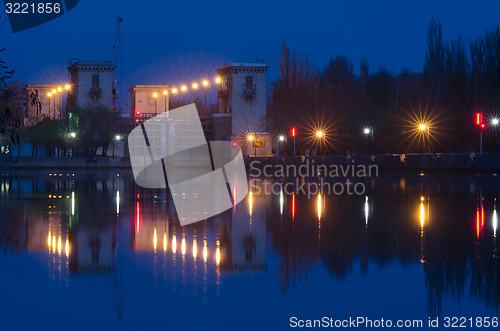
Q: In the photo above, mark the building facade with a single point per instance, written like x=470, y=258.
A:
x=149, y=99
x=92, y=82
x=242, y=95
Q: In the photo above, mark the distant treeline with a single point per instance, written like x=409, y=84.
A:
x=458, y=80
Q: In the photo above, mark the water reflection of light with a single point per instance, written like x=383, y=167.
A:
x=183, y=246
x=137, y=211
x=205, y=251
x=234, y=199
x=293, y=206
x=319, y=207
x=164, y=242
x=477, y=223
x=73, y=203
x=117, y=202
x=155, y=239
x=495, y=221
x=67, y=247
x=217, y=253
x=53, y=244
x=422, y=212
x=281, y=202
x=195, y=249
x=366, y=210
x=250, y=203
x=49, y=241
x=59, y=245
x=174, y=244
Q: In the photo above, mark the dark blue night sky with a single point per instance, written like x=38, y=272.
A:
x=182, y=41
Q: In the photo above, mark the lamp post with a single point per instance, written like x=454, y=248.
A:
x=369, y=132
x=251, y=138
x=217, y=80
x=174, y=91
x=67, y=87
x=165, y=92
x=54, y=91
x=155, y=95
x=59, y=90
x=425, y=129
x=195, y=86
x=205, y=84
x=49, y=95
x=320, y=135
x=184, y=88
x=281, y=140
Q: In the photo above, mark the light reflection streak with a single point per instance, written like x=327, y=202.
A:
x=67, y=247
x=319, y=207
x=195, y=249
x=205, y=251
x=155, y=239
x=293, y=206
x=217, y=253
x=495, y=221
x=174, y=244
x=367, y=208
x=117, y=202
x=281, y=202
x=53, y=244
x=164, y=242
x=59, y=245
x=138, y=211
x=250, y=202
x=73, y=203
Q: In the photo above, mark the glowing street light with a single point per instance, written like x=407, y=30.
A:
x=250, y=137
x=73, y=134
x=320, y=134
x=195, y=86
x=281, y=138
x=165, y=92
x=155, y=95
x=183, y=89
x=426, y=127
x=59, y=89
x=494, y=121
x=205, y=84
x=217, y=80
x=67, y=87
x=118, y=137
x=367, y=130
x=174, y=91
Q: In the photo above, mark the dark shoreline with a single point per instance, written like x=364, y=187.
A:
x=484, y=162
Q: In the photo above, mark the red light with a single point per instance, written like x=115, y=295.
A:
x=235, y=143
x=138, y=113
x=293, y=132
x=136, y=120
x=482, y=125
x=479, y=118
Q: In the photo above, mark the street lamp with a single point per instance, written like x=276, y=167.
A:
x=73, y=134
x=49, y=95
x=205, y=84
x=174, y=91
x=165, y=92
x=423, y=128
x=251, y=138
x=217, y=80
x=494, y=121
x=155, y=95
x=118, y=137
x=195, y=86
x=184, y=88
x=320, y=136
x=369, y=131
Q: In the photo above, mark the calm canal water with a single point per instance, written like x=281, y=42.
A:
x=91, y=250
